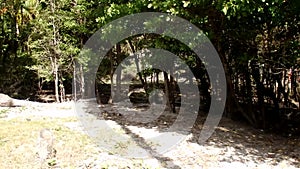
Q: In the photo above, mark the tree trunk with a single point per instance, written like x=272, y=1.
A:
x=249, y=93
x=56, y=85
x=82, y=81
x=168, y=93
x=55, y=63
x=119, y=71
x=232, y=109
x=110, y=101
x=138, y=67
x=157, y=79
x=62, y=89
x=74, y=82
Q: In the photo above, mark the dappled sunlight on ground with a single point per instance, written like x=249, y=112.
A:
x=103, y=138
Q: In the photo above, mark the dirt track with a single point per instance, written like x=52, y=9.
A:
x=233, y=145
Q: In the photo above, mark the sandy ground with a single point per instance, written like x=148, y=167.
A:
x=123, y=144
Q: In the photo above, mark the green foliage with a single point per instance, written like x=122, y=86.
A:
x=41, y=40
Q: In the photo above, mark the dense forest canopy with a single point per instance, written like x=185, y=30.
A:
x=258, y=42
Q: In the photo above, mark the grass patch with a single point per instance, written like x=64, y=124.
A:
x=18, y=142
x=3, y=111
